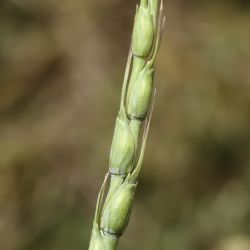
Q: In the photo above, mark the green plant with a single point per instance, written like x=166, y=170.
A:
x=128, y=145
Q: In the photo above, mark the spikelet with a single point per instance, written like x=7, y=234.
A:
x=143, y=32
x=116, y=213
x=140, y=95
x=122, y=148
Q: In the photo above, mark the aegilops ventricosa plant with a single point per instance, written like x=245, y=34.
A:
x=127, y=149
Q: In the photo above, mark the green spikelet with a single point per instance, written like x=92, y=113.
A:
x=143, y=33
x=122, y=148
x=140, y=95
x=116, y=213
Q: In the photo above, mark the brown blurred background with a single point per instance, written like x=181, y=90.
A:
x=61, y=69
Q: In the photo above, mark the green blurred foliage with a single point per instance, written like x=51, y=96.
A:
x=61, y=69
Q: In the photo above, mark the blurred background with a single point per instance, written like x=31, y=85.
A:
x=61, y=70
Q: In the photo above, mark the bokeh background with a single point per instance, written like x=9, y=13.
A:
x=61, y=69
